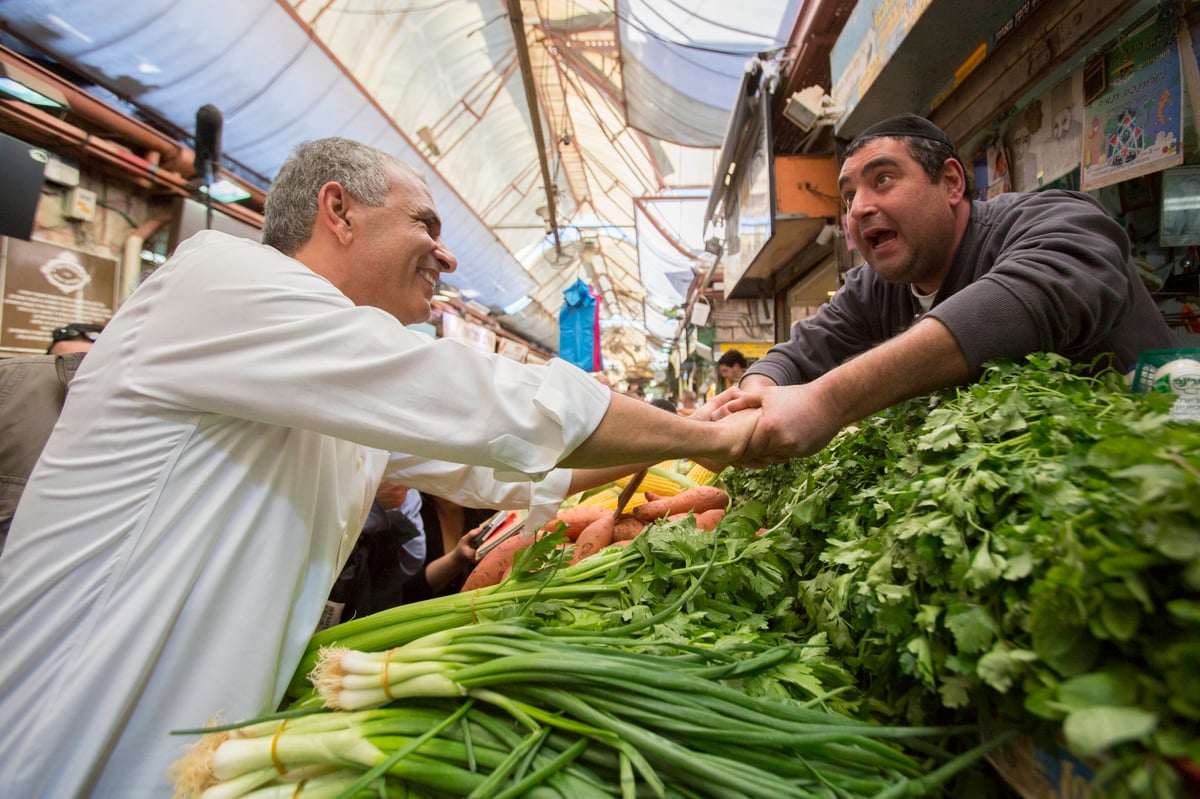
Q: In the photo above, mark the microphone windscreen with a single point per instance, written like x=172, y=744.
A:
x=208, y=139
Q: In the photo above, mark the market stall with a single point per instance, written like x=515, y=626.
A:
x=1001, y=569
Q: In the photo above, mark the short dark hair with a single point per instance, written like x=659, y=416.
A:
x=665, y=404
x=74, y=332
x=733, y=358
x=929, y=153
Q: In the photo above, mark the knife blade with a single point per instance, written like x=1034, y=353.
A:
x=629, y=490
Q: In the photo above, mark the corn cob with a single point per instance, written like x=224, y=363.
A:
x=661, y=481
x=600, y=499
x=702, y=476
x=621, y=482
x=607, y=499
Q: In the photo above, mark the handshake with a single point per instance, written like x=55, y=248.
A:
x=772, y=424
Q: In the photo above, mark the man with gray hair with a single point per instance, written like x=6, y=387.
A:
x=175, y=545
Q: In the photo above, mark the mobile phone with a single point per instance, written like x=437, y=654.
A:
x=511, y=524
x=490, y=526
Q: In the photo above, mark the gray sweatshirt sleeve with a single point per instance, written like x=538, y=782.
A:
x=864, y=312
x=1044, y=272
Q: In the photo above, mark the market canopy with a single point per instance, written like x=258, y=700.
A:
x=619, y=108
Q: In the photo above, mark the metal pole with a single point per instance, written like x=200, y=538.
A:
x=517, y=18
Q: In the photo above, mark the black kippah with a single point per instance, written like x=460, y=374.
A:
x=903, y=125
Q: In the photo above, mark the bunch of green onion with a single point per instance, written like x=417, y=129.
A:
x=587, y=584
x=504, y=709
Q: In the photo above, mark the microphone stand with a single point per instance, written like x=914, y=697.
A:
x=208, y=180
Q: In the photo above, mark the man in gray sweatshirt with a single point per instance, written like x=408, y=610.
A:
x=948, y=285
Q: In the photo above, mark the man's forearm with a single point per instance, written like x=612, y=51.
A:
x=756, y=381
x=634, y=432
x=923, y=359
x=584, y=479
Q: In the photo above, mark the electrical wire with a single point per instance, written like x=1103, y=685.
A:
x=679, y=31
x=720, y=25
x=698, y=65
x=640, y=26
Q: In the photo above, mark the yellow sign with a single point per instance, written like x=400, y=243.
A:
x=750, y=349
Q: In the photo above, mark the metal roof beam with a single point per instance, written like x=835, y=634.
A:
x=517, y=18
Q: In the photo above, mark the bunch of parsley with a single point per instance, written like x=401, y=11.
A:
x=1026, y=548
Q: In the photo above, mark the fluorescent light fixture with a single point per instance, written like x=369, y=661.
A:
x=225, y=191
x=479, y=307
x=518, y=305
x=27, y=87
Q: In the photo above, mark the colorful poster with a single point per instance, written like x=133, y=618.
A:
x=1135, y=126
x=998, y=172
x=1191, y=68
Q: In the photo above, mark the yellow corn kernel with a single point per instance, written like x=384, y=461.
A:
x=701, y=476
x=657, y=484
x=601, y=499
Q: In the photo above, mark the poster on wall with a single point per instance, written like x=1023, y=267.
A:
x=1045, y=139
x=1134, y=127
x=469, y=333
x=998, y=172
x=1191, y=68
x=512, y=349
x=47, y=286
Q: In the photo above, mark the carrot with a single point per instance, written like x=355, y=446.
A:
x=496, y=564
x=596, y=537
x=696, y=500
x=576, y=519
x=627, y=528
x=652, y=497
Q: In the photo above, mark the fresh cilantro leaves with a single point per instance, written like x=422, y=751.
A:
x=1035, y=535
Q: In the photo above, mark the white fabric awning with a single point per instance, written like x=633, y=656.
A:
x=633, y=103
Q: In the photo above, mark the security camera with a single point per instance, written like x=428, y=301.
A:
x=809, y=107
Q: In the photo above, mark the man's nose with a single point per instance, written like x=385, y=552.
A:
x=861, y=205
x=446, y=260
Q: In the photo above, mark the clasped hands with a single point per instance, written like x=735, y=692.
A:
x=781, y=422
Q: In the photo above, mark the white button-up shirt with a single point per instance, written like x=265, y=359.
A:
x=211, y=470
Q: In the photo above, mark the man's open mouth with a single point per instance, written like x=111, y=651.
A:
x=878, y=238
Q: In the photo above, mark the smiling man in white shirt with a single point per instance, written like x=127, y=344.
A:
x=217, y=455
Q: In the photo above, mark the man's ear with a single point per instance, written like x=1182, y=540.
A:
x=333, y=211
x=954, y=178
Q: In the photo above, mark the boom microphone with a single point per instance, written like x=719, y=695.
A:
x=208, y=142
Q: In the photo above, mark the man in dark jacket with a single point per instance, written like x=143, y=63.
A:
x=32, y=392
x=948, y=285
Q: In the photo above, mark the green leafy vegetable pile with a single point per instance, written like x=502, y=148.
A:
x=1027, y=546
x=666, y=668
